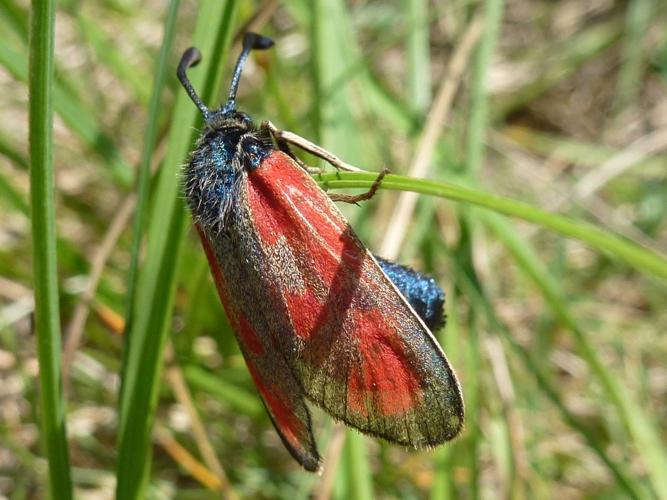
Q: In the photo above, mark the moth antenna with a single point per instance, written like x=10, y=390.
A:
x=191, y=57
x=251, y=41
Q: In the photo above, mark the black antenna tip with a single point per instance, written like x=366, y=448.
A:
x=254, y=41
x=190, y=58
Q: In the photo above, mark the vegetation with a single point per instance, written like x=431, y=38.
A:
x=527, y=143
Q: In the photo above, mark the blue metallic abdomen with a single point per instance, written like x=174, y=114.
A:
x=422, y=292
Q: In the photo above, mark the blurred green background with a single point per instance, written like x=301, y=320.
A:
x=555, y=328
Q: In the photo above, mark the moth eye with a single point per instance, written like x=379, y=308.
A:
x=254, y=152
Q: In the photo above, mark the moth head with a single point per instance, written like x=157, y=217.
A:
x=227, y=112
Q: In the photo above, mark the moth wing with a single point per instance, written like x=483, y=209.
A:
x=356, y=346
x=281, y=393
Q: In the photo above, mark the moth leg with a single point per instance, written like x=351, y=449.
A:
x=287, y=137
x=356, y=198
x=284, y=146
x=284, y=138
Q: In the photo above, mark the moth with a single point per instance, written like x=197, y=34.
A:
x=318, y=318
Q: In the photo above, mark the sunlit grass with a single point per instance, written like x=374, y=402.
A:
x=50, y=407
x=554, y=319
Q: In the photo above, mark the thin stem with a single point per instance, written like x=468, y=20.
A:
x=47, y=308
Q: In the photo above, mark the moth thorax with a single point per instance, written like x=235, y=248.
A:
x=211, y=177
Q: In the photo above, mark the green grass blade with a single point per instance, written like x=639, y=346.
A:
x=419, y=61
x=444, y=459
x=157, y=281
x=332, y=45
x=474, y=364
x=477, y=296
x=642, y=259
x=143, y=176
x=360, y=486
x=332, y=49
x=644, y=432
x=47, y=308
x=476, y=148
x=638, y=20
x=493, y=13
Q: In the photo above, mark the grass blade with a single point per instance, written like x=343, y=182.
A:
x=47, y=308
x=638, y=20
x=157, y=282
x=642, y=259
x=419, y=68
x=360, y=486
x=337, y=130
x=641, y=428
x=493, y=14
x=143, y=176
x=451, y=340
x=476, y=149
x=477, y=296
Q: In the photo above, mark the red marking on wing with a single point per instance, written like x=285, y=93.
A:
x=384, y=376
x=249, y=337
x=285, y=203
x=277, y=385
x=246, y=334
x=289, y=424
x=309, y=307
x=215, y=268
x=331, y=321
x=279, y=191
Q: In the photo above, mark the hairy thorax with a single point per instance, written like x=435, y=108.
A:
x=229, y=148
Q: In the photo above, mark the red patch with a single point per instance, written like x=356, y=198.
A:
x=215, y=268
x=285, y=203
x=385, y=377
x=279, y=191
x=309, y=310
x=249, y=337
x=350, y=329
x=289, y=424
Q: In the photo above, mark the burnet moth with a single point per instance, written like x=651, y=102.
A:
x=317, y=317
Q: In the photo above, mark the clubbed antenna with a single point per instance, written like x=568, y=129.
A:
x=191, y=57
x=251, y=41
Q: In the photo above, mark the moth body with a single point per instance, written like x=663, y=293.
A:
x=317, y=317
